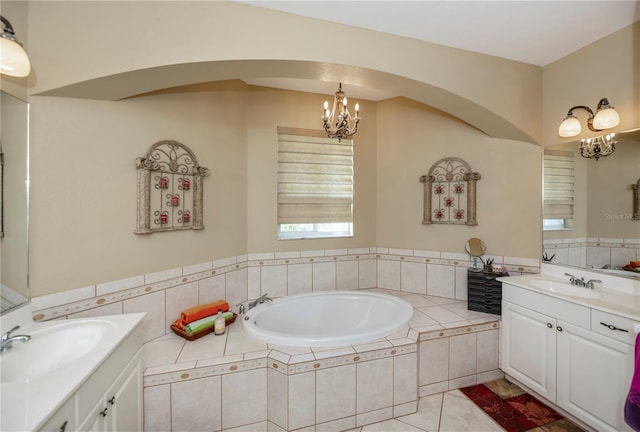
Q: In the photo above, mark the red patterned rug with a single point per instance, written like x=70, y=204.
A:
x=515, y=410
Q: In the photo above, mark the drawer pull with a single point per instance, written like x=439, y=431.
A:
x=64, y=426
x=549, y=325
x=103, y=413
x=112, y=400
x=559, y=328
x=612, y=327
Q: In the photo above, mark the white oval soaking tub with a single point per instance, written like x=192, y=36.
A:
x=325, y=319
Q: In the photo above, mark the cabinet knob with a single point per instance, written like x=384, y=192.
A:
x=112, y=400
x=103, y=413
x=549, y=325
x=559, y=328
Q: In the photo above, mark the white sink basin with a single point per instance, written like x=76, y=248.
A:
x=51, y=348
x=565, y=288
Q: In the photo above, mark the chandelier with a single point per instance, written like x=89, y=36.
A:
x=598, y=147
x=340, y=124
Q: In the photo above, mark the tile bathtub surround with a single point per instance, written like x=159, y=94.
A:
x=593, y=251
x=332, y=388
x=163, y=294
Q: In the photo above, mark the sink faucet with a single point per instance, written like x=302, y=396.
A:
x=6, y=342
x=263, y=298
x=581, y=282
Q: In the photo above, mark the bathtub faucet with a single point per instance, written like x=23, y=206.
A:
x=263, y=298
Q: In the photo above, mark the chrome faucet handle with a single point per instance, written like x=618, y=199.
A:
x=590, y=282
x=8, y=334
x=572, y=278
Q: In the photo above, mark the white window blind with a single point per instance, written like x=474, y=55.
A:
x=558, y=185
x=315, y=178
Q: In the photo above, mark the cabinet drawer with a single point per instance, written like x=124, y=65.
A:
x=613, y=326
x=485, y=290
x=487, y=307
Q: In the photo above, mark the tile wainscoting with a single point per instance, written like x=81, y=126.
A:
x=595, y=252
x=243, y=387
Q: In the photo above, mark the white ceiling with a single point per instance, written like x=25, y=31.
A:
x=531, y=31
x=538, y=32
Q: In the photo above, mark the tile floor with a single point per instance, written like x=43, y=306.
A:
x=453, y=411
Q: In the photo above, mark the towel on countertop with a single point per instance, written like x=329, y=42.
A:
x=198, y=312
x=205, y=323
x=632, y=405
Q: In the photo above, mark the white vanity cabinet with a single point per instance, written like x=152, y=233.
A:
x=120, y=408
x=559, y=350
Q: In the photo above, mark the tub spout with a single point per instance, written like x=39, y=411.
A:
x=263, y=298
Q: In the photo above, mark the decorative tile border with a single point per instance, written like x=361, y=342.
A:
x=63, y=304
x=437, y=334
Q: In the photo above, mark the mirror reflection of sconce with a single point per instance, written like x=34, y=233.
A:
x=476, y=248
x=606, y=117
x=14, y=60
x=636, y=200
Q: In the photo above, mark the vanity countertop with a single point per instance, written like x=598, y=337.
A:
x=623, y=300
x=28, y=401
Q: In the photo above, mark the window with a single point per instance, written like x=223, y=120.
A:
x=558, y=190
x=315, y=185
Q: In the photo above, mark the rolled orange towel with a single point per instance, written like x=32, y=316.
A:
x=195, y=313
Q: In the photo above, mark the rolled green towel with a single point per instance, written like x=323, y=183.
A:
x=205, y=323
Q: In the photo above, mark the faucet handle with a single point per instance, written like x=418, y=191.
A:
x=7, y=334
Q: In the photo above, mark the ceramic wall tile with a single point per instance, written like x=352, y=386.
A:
x=389, y=274
x=299, y=278
x=119, y=285
x=413, y=277
x=374, y=385
x=462, y=355
x=405, y=378
x=597, y=256
x=287, y=255
x=110, y=309
x=426, y=254
x=211, y=289
x=253, y=282
x=261, y=256
x=154, y=322
x=335, y=252
x=197, y=268
x=302, y=400
x=347, y=275
x=162, y=275
x=335, y=393
x=51, y=300
x=367, y=273
x=178, y=299
x=246, y=402
x=311, y=253
x=434, y=361
x=274, y=280
x=374, y=416
x=157, y=408
x=487, y=350
x=401, y=252
x=277, y=400
x=236, y=286
x=441, y=280
x=324, y=276
x=193, y=405
x=621, y=256
x=224, y=262
x=461, y=283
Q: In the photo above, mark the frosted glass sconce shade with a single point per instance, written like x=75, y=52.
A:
x=606, y=117
x=13, y=58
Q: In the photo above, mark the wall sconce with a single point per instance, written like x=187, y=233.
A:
x=340, y=125
x=13, y=58
x=605, y=118
x=598, y=147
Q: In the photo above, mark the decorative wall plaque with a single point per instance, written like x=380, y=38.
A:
x=170, y=184
x=450, y=193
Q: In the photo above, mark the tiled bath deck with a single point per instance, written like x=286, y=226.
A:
x=172, y=363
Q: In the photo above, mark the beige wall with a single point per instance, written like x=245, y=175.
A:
x=83, y=184
x=270, y=108
x=412, y=137
x=607, y=68
x=115, y=49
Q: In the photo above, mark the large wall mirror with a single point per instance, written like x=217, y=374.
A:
x=589, y=207
x=14, y=196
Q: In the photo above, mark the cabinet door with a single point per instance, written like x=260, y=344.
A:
x=529, y=348
x=125, y=400
x=95, y=421
x=594, y=373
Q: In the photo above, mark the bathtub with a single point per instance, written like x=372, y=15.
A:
x=328, y=319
